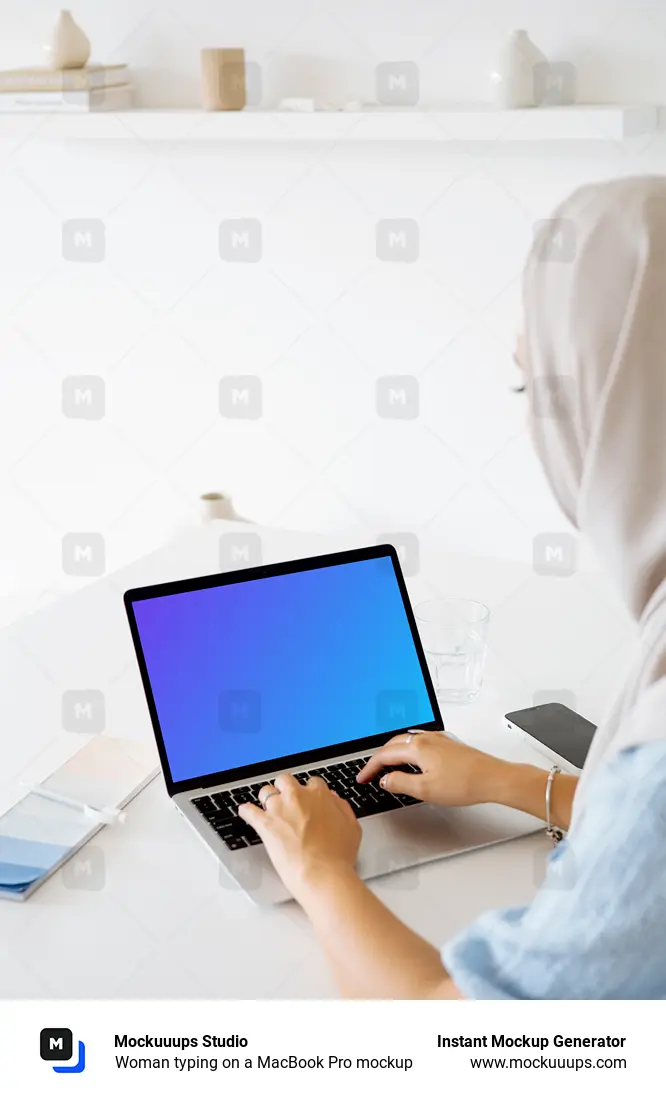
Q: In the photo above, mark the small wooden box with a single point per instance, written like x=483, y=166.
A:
x=223, y=79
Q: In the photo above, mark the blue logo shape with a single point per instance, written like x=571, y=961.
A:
x=80, y=1065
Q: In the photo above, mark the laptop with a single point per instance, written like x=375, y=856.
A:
x=308, y=667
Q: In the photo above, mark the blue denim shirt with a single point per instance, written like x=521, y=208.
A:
x=597, y=928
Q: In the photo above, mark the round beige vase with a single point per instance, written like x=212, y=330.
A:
x=69, y=47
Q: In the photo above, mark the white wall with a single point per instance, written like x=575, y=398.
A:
x=320, y=318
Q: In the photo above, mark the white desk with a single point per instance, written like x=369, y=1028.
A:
x=165, y=922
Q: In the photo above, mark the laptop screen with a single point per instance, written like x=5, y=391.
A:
x=257, y=670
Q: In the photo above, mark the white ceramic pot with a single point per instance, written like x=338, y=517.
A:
x=217, y=506
x=69, y=47
x=513, y=81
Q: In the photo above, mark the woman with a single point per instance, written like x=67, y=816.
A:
x=595, y=340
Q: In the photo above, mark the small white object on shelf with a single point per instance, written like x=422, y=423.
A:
x=297, y=103
x=513, y=81
x=69, y=47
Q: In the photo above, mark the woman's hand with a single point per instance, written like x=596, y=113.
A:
x=312, y=837
x=308, y=830
x=452, y=774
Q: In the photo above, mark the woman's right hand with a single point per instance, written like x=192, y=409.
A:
x=452, y=774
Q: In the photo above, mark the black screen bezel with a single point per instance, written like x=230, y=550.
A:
x=216, y=580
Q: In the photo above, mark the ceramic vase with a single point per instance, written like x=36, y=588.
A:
x=513, y=81
x=214, y=506
x=69, y=47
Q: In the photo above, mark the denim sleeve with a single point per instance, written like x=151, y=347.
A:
x=595, y=930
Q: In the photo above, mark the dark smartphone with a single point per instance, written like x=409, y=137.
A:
x=558, y=732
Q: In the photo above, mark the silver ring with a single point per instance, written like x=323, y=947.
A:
x=270, y=794
x=409, y=738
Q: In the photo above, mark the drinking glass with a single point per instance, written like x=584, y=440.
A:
x=454, y=634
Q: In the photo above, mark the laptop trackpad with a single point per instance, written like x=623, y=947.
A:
x=419, y=834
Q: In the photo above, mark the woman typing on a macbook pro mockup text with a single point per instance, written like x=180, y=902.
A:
x=596, y=331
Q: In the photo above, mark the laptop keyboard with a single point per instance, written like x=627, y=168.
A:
x=221, y=809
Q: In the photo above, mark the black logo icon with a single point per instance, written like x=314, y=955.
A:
x=56, y=1044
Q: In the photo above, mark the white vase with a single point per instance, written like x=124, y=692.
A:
x=513, y=81
x=69, y=47
x=218, y=506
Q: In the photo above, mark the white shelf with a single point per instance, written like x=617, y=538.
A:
x=476, y=123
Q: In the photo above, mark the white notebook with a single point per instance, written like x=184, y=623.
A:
x=39, y=833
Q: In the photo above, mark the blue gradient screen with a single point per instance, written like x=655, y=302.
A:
x=261, y=669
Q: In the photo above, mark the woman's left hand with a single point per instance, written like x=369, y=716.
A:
x=308, y=830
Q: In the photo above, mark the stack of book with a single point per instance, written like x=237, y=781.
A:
x=93, y=88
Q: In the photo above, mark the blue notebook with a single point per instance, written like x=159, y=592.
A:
x=38, y=834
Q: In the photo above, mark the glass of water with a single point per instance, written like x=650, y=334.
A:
x=454, y=633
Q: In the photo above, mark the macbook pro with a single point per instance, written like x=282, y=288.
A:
x=308, y=667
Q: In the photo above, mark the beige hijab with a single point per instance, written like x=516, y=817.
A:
x=595, y=341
